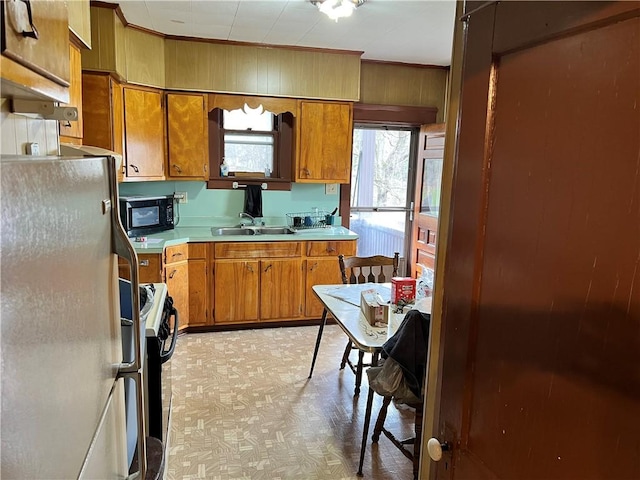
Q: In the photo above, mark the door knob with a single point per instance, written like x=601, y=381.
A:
x=435, y=449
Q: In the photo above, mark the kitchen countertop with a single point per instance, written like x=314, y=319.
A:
x=155, y=243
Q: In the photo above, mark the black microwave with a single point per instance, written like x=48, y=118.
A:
x=146, y=215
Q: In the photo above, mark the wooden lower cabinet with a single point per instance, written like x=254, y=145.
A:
x=319, y=271
x=199, y=285
x=236, y=290
x=322, y=268
x=149, y=268
x=281, y=289
x=176, y=276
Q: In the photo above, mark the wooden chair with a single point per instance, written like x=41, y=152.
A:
x=376, y=269
x=412, y=454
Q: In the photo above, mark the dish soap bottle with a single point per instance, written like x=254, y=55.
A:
x=224, y=169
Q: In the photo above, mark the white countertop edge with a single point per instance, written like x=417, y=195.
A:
x=181, y=235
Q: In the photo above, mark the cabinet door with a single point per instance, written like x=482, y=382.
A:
x=187, y=136
x=280, y=289
x=144, y=134
x=198, y=287
x=176, y=276
x=73, y=130
x=325, y=136
x=236, y=291
x=149, y=270
x=319, y=271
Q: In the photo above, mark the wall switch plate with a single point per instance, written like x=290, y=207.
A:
x=331, y=189
x=33, y=149
x=180, y=196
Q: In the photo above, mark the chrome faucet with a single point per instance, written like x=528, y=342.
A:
x=253, y=220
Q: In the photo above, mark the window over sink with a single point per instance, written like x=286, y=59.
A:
x=255, y=142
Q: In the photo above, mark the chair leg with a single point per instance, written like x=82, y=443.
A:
x=367, y=420
x=359, y=372
x=417, y=442
x=345, y=356
x=315, y=352
x=382, y=416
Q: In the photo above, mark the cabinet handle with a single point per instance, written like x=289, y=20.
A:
x=306, y=171
x=178, y=169
x=313, y=267
x=331, y=249
x=144, y=263
x=176, y=255
x=135, y=168
x=173, y=273
x=250, y=268
x=268, y=268
x=204, y=168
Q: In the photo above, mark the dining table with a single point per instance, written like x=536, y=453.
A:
x=342, y=301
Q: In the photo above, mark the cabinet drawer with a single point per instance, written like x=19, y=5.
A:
x=334, y=248
x=197, y=250
x=258, y=249
x=176, y=253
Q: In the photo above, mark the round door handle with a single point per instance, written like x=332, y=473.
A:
x=435, y=449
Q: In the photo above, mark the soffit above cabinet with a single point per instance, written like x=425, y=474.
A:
x=152, y=59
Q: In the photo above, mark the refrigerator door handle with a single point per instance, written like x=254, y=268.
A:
x=122, y=247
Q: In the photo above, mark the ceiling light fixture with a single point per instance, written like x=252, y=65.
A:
x=336, y=9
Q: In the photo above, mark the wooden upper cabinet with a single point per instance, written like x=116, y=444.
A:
x=34, y=64
x=325, y=133
x=102, y=112
x=187, y=136
x=144, y=134
x=71, y=132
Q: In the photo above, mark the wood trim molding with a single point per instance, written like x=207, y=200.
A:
x=403, y=64
x=234, y=102
x=393, y=114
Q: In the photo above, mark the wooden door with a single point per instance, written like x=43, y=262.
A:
x=236, y=290
x=427, y=197
x=325, y=135
x=144, y=133
x=280, y=288
x=187, y=136
x=540, y=284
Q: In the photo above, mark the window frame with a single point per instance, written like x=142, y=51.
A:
x=283, y=136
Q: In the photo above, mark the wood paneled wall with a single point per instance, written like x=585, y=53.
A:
x=107, y=43
x=80, y=20
x=257, y=70
x=396, y=84
x=145, y=58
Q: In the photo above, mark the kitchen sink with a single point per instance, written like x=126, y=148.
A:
x=219, y=231
x=274, y=230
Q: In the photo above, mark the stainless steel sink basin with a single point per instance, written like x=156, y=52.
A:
x=231, y=231
x=219, y=231
x=274, y=231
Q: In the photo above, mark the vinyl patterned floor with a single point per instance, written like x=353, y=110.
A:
x=243, y=408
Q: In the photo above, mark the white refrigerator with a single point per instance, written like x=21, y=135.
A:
x=62, y=373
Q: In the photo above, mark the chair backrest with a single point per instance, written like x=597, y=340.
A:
x=368, y=269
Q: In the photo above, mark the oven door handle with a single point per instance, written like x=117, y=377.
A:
x=166, y=356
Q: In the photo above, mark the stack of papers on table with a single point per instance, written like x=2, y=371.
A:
x=353, y=292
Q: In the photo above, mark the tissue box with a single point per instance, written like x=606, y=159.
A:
x=375, y=311
x=403, y=288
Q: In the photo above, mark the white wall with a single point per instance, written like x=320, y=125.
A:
x=17, y=130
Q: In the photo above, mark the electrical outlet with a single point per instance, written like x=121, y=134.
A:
x=180, y=196
x=331, y=189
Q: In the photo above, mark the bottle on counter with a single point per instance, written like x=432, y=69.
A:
x=224, y=169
